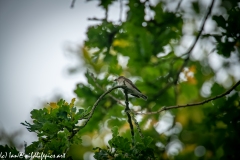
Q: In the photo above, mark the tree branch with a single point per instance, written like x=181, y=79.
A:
x=72, y=4
x=127, y=109
x=110, y=95
x=94, y=107
x=136, y=123
x=192, y=104
x=99, y=99
x=97, y=19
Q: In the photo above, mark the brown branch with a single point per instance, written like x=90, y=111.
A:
x=110, y=95
x=192, y=104
x=99, y=99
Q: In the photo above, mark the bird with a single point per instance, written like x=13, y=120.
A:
x=132, y=89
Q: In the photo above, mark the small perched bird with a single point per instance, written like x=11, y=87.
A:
x=132, y=89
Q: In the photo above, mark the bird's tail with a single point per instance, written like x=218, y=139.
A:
x=143, y=97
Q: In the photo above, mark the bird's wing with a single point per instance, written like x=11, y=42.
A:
x=135, y=95
x=130, y=82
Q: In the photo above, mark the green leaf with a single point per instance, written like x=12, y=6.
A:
x=115, y=131
x=147, y=141
x=105, y=3
x=196, y=7
x=60, y=102
x=5, y=150
x=220, y=21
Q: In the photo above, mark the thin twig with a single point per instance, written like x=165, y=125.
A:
x=188, y=53
x=178, y=6
x=110, y=95
x=138, y=127
x=176, y=94
x=72, y=4
x=192, y=104
x=96, y=19
x=121, y=8
x=106, y=13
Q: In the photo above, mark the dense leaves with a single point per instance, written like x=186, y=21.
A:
x=55, y=127
x=121, y=148
x=229, y=37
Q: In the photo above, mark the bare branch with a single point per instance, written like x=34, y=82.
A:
x=96, y=19
x=178, y=6
x=106, y=14
x=110, y=95
x=121, y=9
x=192, y=104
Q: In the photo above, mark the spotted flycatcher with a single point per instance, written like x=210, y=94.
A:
x=132, y=89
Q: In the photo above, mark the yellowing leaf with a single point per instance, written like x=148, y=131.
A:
x=153, y=59
x=220, y=124
x=120, y=43
x=196, y=115
x=189, y=148
x=182, y=117
x=86, y=54
x=72, y=102
x=53, y=105
x=108, y=103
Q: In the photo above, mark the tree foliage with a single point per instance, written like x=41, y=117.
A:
x=167, y=51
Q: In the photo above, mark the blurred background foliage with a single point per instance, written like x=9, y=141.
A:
x=151, y=45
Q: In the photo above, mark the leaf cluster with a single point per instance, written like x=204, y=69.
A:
x=55, y=127
x=229, y=39
x=121, y=148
